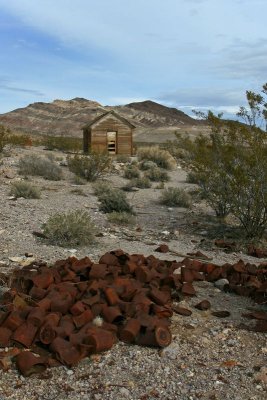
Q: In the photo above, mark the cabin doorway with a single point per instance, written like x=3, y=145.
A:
x=112, y=142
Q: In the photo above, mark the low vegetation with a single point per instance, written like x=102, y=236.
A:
x=114, y=200
x=24, y=189
x=62, y=143
x=90, y=167
x=4, y=135
x=157, y=175
x=141, y=183
x=131, y=171
x=34, y=165
x=175, y=197
x=122, y=158
x=231, y=165
x=161, y=157
x=121, y=218
x=102, y=187
x=74, y=228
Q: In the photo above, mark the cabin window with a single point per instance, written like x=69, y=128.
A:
x=112, y=142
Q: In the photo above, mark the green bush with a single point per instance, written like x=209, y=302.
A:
x=175, y=197
x=114, y=200
x=77, y=180
x=62, y=143
x=101, y=188
x=24, y=189
x=157, y=175
x=146, y=165
x=121, y=218
x=162, y=158
x=90, y=167
x=142, y=183
x=4, y=136
x=192, y=177
x=39, y=166
x=232, y=165
x=131, y=172
x=74, y=228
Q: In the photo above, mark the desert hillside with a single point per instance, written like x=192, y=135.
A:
x=67, y=117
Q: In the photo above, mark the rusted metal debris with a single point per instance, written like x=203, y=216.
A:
x=78, y=307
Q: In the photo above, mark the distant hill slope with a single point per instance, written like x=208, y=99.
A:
x=67, y=117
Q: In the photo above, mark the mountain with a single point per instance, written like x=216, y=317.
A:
x=67, y=117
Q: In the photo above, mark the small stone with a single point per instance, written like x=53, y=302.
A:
x=125, y=392
x=220, y=283
x=203, y=305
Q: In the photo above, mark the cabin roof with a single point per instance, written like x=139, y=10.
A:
x=112, y=112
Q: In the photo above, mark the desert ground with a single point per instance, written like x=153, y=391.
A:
x=209, y=357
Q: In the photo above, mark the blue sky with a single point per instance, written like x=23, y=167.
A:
x=189, y=54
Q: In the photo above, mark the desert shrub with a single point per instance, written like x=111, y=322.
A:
x=39, y=166
x=192, y=177
x=146, y=165
x=162, y=158
x=77, y=180
x=175, y=197
x=24, y=189
x=129, y=186
x=157, y=175
x=232, y=165
x=4, y=135
x=122, y=158
x=62, y=143
x=114, y=200
x=90, y=167
x=21, y=140
x=102, y=187
x=142, y=182
x=121, y=218
x=131, y=171
x=74, y=228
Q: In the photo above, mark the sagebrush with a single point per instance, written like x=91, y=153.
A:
x=24, y=189
x=39, y=166
x=114, y=200
x=161, y=157
x=157, y=175
x=90, y=167
x=74, y=228
x=175, y=197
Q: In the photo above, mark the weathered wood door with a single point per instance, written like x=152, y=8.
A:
x=112, y=142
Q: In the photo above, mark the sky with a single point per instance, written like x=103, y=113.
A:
x=188, y=54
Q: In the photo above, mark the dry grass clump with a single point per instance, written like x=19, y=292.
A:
x=90, y=167
x=162, y=158
x=157, y=175
x=131, y=171
x=141, y=183
x=39, y=166
x=24, y=189
x=121, y=218
x=102, y=187
x=175, y=197
x=74, y=228
x=146, y=165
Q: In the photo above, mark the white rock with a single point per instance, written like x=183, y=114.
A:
x=220, y=283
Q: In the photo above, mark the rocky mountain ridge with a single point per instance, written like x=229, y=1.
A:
x=67, y=117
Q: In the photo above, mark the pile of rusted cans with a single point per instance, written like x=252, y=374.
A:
x=77, y=307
